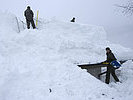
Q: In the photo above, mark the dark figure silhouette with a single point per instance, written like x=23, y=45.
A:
x=29, y=17
x=110, y=68
x=73, y=20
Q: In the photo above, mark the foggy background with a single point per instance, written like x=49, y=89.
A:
x=118, y=26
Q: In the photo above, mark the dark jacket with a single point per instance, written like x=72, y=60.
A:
x=110, y=57
x=28, y=14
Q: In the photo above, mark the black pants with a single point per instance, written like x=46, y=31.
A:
x=32, y=23
x=111, y=70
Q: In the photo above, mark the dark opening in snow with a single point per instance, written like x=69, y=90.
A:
x=93, y=69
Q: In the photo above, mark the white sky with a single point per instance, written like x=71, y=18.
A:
x=96, y=12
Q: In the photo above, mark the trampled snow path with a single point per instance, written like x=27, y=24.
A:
x=41, y=64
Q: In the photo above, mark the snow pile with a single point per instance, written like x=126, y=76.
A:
x=125, y=89
x=9, y=22
x=42, y=64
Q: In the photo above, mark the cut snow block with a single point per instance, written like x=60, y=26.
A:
x=93, y=69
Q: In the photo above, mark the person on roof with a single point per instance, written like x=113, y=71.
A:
x=28, y=13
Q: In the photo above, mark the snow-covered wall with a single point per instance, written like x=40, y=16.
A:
x=9, y=22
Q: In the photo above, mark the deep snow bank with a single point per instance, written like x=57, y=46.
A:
x=34, y=62
x=9, y=22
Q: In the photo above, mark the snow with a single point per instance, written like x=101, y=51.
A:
x=33, y=62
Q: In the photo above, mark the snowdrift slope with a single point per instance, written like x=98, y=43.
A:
x=41, y=64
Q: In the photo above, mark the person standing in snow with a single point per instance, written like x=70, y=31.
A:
x=29, y=17
x=110, y=69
